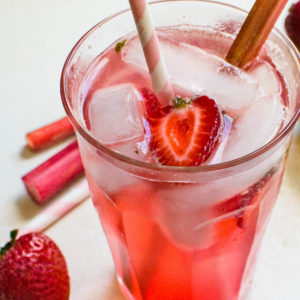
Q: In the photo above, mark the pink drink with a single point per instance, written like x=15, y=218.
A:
x=161, y=256
x=183, y=233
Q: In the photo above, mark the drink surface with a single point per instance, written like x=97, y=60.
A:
x=113, y=105
x=183, y=239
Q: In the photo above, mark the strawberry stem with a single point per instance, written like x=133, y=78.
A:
x=53, y=175
x=255, y=31
x=10, y=244
x=179, y=102
x=47, y=135
x=119, y=46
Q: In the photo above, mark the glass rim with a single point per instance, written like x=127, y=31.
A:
x=190, y=169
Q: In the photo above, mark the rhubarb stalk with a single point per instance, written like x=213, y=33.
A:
x=49, y=178
x=49, y=134
x=255, y=31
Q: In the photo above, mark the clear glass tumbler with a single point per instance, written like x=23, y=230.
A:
x=181, y=232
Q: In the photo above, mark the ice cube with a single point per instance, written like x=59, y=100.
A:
x=217, y=157
x=255, y=127
x=137, y=148
x=134, y=149
x=176, y=203
x=262, y=71
x=114, y=115
x=97, y=67
x=194, y=70
x=103, y=173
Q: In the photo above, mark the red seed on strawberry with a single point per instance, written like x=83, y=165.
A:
x=292, y=24
x=33, y=268
x=185, y=134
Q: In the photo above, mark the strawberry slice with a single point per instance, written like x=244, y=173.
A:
x=186, y=133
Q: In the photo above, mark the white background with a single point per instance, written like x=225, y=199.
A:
x=35, y=39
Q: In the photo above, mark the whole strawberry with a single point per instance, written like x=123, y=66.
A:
x=33, y=268
x=292, y=24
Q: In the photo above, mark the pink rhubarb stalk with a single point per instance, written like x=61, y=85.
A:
x=49, y=178
x=49, y=134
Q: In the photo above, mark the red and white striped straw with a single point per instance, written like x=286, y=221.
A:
x=149, y=40
x=63, y=204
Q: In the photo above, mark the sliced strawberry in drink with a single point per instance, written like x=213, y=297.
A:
x=153, y=107
x=184, y=134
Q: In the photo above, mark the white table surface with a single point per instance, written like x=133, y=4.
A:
x=35, y=38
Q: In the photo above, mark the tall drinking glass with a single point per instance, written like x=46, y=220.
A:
x=181, y=232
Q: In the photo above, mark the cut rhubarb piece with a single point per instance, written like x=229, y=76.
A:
x=255, y=31
x=49, y=134
x=49, y=178
x=186, y=133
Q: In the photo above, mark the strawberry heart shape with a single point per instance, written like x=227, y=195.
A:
x=186, y=134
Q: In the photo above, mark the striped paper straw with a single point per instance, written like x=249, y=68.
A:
x=63, y=204
x=149, y=41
